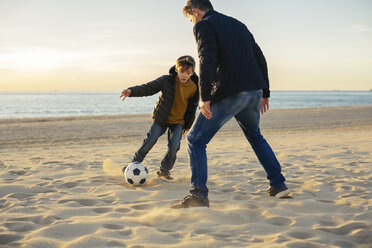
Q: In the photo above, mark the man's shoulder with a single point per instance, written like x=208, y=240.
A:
x=216, y=16
x=216, y=19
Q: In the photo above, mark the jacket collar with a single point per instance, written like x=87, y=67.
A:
x=209, y=13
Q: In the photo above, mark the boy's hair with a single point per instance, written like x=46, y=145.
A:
x=185, y=62
x=203, y=5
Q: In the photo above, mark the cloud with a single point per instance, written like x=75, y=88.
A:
x=357, y=28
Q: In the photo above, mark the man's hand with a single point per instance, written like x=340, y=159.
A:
x=125, y=93
x=205, y=108
x=264, y=105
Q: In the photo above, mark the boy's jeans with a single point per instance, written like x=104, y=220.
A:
x=174, y=138
x=245, y=107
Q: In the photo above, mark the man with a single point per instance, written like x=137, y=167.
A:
x=233, y=83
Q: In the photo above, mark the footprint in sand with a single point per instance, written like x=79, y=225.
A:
x=300, y=235
x=102, y=210
x=6, y=239
x=19, y=226
x=17, y=172
x=142, y=207
x=222, y=236
x=21, y=196
x=115, y=244
x=109, y=200
x=177, y=235
x=69, y=185
x=123, y=210
x=83, y=202
x=203, y=231
x=125, y=232
x=87, y=202
x=112, y=226
x=280, y=221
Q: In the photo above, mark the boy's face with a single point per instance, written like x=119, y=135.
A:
x=184, y=74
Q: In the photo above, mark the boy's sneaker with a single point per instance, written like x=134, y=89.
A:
x=164, y=176
x=279, y=193
x=191, y=201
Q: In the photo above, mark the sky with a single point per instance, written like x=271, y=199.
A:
x=109, y=45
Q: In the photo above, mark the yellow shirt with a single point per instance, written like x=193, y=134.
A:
x=184, y=91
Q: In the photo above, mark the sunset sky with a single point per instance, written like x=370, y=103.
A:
x=108, y=45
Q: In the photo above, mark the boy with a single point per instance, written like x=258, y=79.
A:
x=174, y=111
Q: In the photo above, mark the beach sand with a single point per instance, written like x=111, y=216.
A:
x=61, y=184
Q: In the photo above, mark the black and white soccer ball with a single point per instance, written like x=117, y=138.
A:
x=136, y=173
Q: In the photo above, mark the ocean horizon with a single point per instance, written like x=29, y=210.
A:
x=56, y=104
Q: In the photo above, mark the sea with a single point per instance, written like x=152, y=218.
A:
x=55, y=104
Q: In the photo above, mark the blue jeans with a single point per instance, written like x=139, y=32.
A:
x=174, y=140
x=245, y=107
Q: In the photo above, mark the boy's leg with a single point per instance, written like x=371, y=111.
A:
x=174, y=141
x=248, y=120
x=152, y=136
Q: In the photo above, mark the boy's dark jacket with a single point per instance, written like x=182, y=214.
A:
x=166, y=84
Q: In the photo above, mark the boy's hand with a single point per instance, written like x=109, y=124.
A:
x=264, y=105
x=125, y=93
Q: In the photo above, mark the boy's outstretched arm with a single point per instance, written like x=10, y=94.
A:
x=149, y=88
x=125, y=93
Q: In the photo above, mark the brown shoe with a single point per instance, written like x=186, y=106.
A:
x=279, y=193
x=192, y=201
x=164, y=176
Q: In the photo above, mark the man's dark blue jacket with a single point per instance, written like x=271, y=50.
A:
x=230, y=59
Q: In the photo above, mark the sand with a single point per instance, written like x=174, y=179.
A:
x=61, y=184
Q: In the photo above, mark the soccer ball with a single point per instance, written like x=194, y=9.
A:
x=136, y=173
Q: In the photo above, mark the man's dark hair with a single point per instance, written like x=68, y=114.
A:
x=203, y=5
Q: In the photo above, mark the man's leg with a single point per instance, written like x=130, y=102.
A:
x=202, y=132
x=152, y=136
x=174, y=140
x=248, y=120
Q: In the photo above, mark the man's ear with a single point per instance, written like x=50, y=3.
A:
x=196, y=12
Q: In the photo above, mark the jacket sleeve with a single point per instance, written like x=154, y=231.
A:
x=261, y=61
x=148, y=89
x=208, y=51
